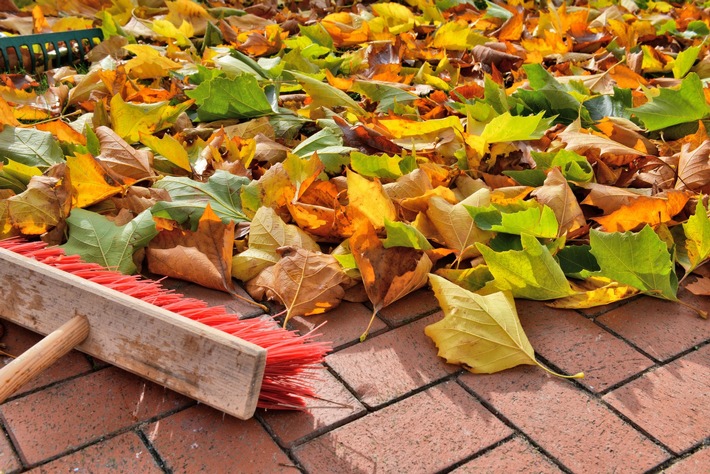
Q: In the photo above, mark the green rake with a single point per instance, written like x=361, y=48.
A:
x=26, y=52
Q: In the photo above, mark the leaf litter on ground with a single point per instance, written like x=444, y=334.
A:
x=494, y=150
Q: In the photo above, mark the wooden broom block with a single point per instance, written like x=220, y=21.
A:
x=215, y=368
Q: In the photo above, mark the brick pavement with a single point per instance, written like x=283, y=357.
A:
x=391, y=405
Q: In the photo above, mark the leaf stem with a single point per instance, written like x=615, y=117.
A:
x=578, y=375
x=364, y=335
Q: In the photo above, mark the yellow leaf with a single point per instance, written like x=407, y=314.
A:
x=92, y=180
x=167, y=30
x=148, y=63
x=594, y=291
x=455, y=224
x=482, y=332
x=400, y=128
x=369, y=198
x=43, y=205
x=130, y=120
x=170, y=148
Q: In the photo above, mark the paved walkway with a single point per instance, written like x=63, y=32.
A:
x=643, y=406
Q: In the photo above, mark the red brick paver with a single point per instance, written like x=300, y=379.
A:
x=684, y=384
x=391, y=365
x=424, y=433
x=513, y=456
x=391, y=404
x=124, y=453
x=68, y=415
x=335, y=406
x=201, y=439
x=696, y=462
x=343, y=326
x=578, y=430
x=575, y=344
x=660, y=328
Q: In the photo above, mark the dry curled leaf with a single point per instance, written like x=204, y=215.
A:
x=203, y=256
x=304, y=281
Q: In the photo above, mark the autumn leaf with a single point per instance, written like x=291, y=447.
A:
x=696, y=247
x=44, y=204
x=92, y=180
x=644, y=210
x=241, y=97
x=203, y=256
x=30, y=147
x=121, y=157
x=481, y=332
x=556, y=194
x=667, y=107
x=369, y=198
x=640, y=260
x=530, y=273
x=304, y=281
x=387, y=273
x=97, y=239
x=594, y=291
x=130, y=120
x=267, y=233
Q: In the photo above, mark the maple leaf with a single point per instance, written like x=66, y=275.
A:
x=387, y=273
x=306, y=282
x=203, y=256
x=482, y=332
x=97, y=239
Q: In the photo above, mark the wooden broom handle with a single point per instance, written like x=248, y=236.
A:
x=43, y=354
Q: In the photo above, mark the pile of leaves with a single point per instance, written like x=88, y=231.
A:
x=321, y=151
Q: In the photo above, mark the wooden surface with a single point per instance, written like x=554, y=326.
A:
x=39, y=357
x=213, y=367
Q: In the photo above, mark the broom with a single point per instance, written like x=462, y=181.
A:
x=290, y=358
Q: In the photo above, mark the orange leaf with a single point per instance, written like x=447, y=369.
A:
x=62, y=131
x=92, y=180
x=203, y=256
x=644, y=210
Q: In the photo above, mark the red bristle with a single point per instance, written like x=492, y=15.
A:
x=291, y=359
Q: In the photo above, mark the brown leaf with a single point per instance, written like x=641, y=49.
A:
x=137, y=199
x=610, y=198
x=304, y=281
x=581, y=142
x=366, y=139
x=122, y=158
x=556, y=193
x=203, y=256
x=496, y=54
x=44, y=204
x=694, y=169
x=388, y=274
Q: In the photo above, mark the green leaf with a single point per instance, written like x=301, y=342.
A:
x=674, y=106
x=30, y=147
x=684, y=61
x=325, y=95
x=606, y=105
x=524, y=217
x=533, y=178
x=16, y=176
x=637, y=259
x=222, y=98
x=510, y=128
x=189, y=198
x=495, y=96
x=385, y=96
x=471, y=279
x=697, y=237
x=549, y=96
x=577, y=261
x=96, y=239
x=400, y=234
x=372, y=166
x=574, y=167
x=530, y=273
